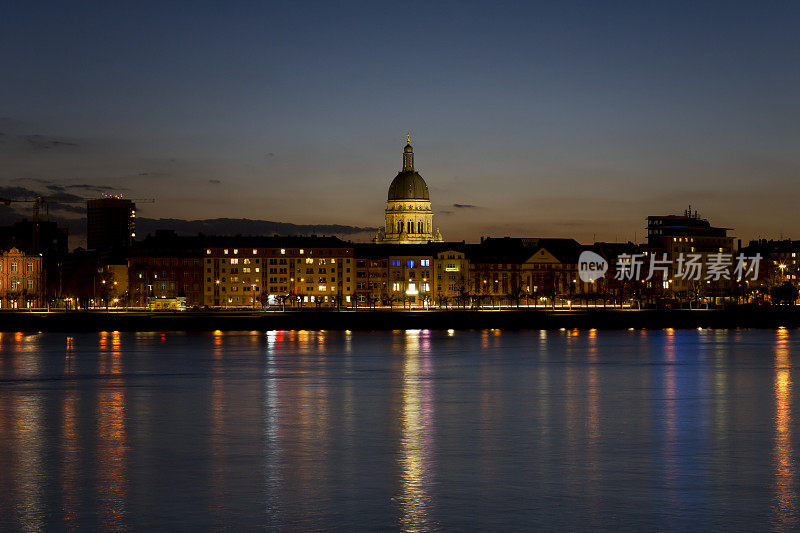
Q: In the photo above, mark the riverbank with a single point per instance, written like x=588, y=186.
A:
x=390, y=320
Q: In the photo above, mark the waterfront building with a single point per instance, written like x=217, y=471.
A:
x=610, y=289
x=321, y=271
x=372, y=275
x=408, y=216
x=21, y=283
x=779, y=265
x=233, y=272
x=451, y=283
x=166, y=266
x=551, y=272
x=43, y=237
x=110, y=225
x=495, y=267
x=687, y=234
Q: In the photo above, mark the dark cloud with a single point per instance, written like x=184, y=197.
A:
x=58, y=201
x=244, y=226
x=79, y=209
x=465, y=206
x=20, y=193
x=42, y=142
x=58, y=186
x=214, y=181
x=445, y=212
x=96, y=188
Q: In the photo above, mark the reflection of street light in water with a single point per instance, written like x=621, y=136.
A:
x=785, y=493
x=417, y=433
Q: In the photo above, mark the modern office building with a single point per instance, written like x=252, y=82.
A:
x=110, y=224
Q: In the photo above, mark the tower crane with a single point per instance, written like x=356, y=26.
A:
x=41, y=207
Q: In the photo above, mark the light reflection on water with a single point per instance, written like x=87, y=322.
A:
x=416, y=441
x=415, y=430
x=785, y=491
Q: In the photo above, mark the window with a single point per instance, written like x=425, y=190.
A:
x=13, y=266
x=410, y=263
x=30, y=284
x=283, y=251
x=395, y=286
x=235, y=251
x=30, y=267
x=395, y=262
x=425, y=262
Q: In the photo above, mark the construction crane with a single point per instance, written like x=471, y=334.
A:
x=42, y=204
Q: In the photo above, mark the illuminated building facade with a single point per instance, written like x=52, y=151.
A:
x=21, y=284
x=688, y=234
x=409, y=217
x=451, y=283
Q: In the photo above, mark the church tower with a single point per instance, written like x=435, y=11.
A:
x=409, y=218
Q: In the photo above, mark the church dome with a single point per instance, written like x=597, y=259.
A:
x=408, y=185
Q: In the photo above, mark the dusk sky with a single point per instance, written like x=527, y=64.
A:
x=559, y=119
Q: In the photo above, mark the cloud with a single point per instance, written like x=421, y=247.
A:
x=42, y=142
x=61, y=187
x=214, y=181
x=96, y=188
x=465, y=206
x=445, y=212
x=18, y=193
x=244, y=226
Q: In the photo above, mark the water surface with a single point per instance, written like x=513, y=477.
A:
x=411, y=430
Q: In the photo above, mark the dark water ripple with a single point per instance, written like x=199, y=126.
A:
x=409, y=430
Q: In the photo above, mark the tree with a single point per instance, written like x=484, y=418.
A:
x=784, y=294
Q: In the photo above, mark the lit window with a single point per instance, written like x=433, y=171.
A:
x=322, y=288
x=255, y=252
x=309, y=261
x=301, y=251
x=410, y=263
x=425, y=262
x=395, y=286
x=395, y=262
x=234, y=261
x=235, y=251
x=226, y=252
x=283, y=251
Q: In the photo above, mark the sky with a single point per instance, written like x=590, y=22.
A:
x=551, y=119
